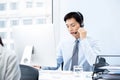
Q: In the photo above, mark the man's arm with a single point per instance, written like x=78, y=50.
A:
x=91, y=49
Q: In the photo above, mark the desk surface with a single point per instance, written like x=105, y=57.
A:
x=64, y=75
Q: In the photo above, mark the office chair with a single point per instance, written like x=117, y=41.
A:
x=29, y=73
x=106, y=73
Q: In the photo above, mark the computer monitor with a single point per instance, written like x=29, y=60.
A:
x=41, y=37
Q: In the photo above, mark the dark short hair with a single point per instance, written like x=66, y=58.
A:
x=77, y=16
x=1, y=41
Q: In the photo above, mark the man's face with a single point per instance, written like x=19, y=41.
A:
x=73, y=27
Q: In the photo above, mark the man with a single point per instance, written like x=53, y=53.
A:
x=87, y=48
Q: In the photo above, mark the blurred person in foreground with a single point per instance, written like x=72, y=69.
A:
x=9, y=66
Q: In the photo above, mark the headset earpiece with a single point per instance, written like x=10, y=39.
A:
x=81, y=19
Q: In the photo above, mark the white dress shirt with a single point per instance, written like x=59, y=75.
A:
x=88, y=50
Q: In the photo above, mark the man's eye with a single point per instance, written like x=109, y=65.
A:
x=67, y=26
x=72, y=25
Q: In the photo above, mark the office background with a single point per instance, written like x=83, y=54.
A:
x=101, y=19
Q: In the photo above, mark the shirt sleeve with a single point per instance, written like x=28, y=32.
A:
x=52, y=68
x=91, y=49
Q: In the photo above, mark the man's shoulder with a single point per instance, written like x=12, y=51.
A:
x=91, y=39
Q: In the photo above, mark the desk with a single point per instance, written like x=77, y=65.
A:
x=63, y=75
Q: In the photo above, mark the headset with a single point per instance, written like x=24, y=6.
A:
x=81, y=18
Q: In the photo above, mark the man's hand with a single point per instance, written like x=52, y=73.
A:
x=37, y=67
x=83, y=33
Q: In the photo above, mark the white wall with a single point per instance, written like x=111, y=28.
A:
x=102, y=21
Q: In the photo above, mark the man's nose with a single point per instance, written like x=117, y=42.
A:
x=70, y=28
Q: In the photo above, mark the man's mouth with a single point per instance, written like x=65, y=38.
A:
x=73, y=32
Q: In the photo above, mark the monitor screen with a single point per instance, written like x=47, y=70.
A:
x=41, y=38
